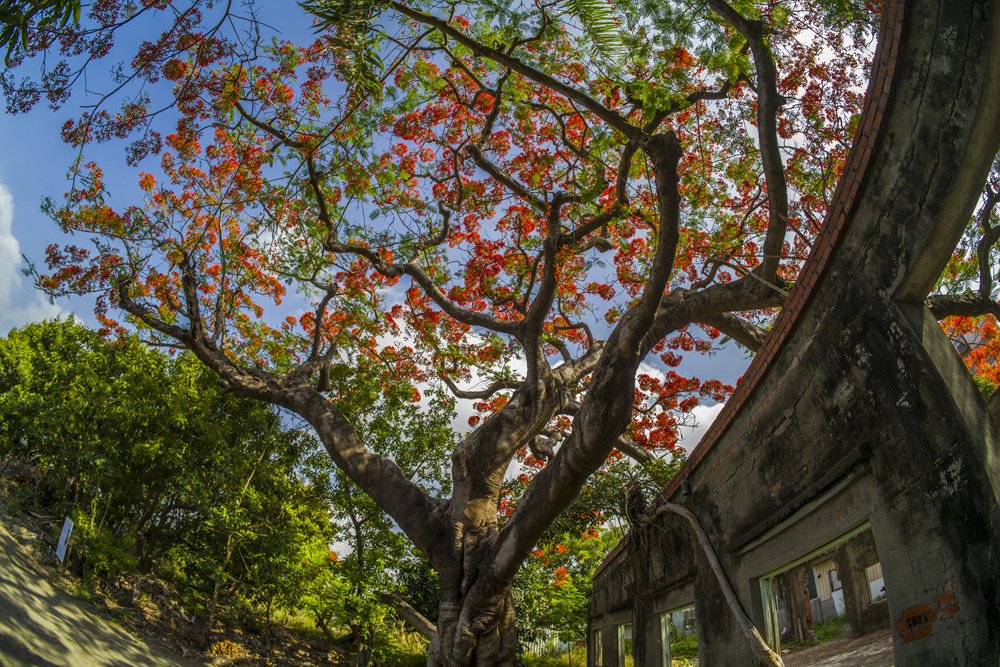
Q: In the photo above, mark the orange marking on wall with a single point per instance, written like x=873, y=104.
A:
x=917, y=621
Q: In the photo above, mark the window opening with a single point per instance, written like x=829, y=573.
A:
x=679, y=637
x=835, y=593
x=597, y=648
x=876, y=583
x=625, y=656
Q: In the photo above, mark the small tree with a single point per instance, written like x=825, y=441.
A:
x=170, y=475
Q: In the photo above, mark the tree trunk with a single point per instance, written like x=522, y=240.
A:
x=470, y=633
x=144, y=535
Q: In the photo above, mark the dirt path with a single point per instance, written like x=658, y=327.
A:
x=873, y=650
x=41, y=626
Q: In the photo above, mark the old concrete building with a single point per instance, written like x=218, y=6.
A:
x=856, y=437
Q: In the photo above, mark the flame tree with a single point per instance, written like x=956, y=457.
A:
x=541, y=205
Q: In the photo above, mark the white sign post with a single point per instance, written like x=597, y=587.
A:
x=67, y=530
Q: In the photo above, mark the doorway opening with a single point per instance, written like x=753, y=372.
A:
x=830, y=603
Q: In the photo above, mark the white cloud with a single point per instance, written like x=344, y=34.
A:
x=646, y=368
x=10, y=251
x=19, y=304
x=690, y=435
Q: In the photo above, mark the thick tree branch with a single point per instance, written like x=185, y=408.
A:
x=986, y=281
x=542, y=302
x=969, y=304
x=989, y=239
x=421, y=517
x=761, y=650
x=681, y=307
x=572, y=372
x=195, y=338
x=769, y=103
x=414, y=618
x=665, y=153
x=600, y=421
x=607, y=409
x=633, y=450
x=480, y=394
x=541, y=448
x=744, y=332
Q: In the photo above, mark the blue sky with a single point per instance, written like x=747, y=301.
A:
x=32, y=163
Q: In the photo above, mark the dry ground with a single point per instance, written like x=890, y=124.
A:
x=872, y=650
x=41, y=626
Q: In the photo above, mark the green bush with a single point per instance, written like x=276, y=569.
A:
x=830, y=629
x=986, y=388
x=102, y=554
x=577, y=657
x=685, y=646
x=405, y=649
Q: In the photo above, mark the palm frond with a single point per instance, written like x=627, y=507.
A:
x=597, y=17
x=351, y=27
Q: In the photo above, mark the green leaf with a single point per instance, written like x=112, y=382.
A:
x=352, y=29
x=600, y=24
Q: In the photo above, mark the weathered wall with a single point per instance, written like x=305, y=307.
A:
x=857, y=408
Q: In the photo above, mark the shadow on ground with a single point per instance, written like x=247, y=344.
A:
x=41, y=626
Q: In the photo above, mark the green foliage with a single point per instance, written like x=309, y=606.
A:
x=854, y=15
x=104, y=554
x=684, y=646
x=669, y=24
x=602, y=501
x=828, y=630
x=160, y=469
x=20, y=19
x=600, y=24
x=421, y=585
x=986, y=387
x=833, y=628
x=349, y=28
x=577, y=655
x=163, y=471
x=553, y=586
